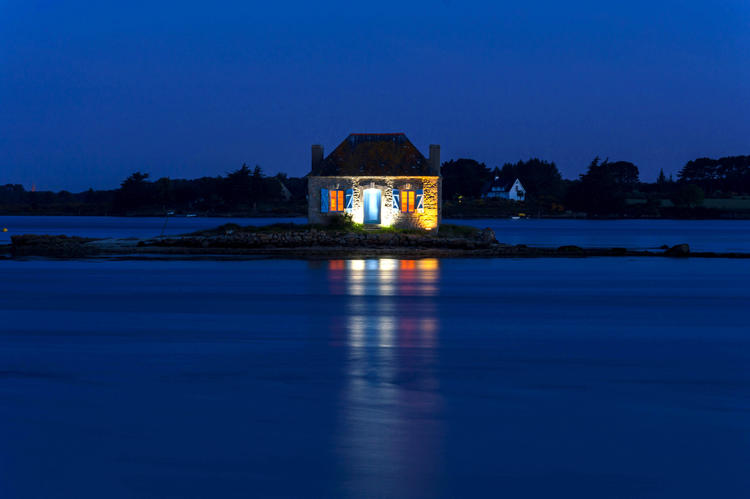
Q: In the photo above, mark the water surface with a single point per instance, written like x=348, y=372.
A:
x=121, y=227
x=375, y=378
x=701, y=235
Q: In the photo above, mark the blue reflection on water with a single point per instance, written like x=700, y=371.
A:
x=409, y=378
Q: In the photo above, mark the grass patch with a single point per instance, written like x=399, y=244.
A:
x=232, y=228
x=341, y=224
x=345, y=224
x=738, y=204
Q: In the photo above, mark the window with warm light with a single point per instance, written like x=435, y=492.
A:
x=336, y=200
x=408, y=201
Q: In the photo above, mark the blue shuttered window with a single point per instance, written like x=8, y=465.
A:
x=396, y=200
x=420, y=201
x=349, y=197
x=324, y=201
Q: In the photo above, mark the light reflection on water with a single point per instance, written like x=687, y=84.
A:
x=458, y=378
x=384, y=277
x=390, y=401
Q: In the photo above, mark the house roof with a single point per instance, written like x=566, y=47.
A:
x=504, y=186
x=374, y=154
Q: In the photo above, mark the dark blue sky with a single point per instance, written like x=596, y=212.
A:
x=91, y=91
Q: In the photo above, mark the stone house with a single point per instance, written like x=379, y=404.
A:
x=378, y=179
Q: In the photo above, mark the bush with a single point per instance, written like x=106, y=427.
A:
x=688, y=195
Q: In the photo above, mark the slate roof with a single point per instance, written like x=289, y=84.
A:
x=375, y=154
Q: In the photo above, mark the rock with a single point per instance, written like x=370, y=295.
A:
x=487, y=235
x=571, y=250
x=56, y=246
x=678, y=250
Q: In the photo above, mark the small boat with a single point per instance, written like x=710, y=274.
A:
x=515, y=218
x=190, y=215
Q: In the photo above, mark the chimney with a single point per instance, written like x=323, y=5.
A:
x=317, y=156
x=435, y=159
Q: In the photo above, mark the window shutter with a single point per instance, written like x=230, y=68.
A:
x=396, y=200
x=420, y=201
x=324, y=201
x=349, y=200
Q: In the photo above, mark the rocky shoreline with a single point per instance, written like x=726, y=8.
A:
x=321, y=244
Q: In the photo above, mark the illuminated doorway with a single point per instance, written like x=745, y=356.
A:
x=372, y=206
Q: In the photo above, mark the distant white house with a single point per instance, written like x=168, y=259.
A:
x=514, y=191
x=285, y=192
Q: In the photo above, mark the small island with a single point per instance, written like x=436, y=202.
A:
x=337, y=240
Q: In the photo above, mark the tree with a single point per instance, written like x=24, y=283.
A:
x=464, y=177
x=297, y=186
x=730, y=174
x=603, y=189
x=12, y=194
x=162, y=192
x=541, y=179
x=624, y=173
x=257, y=187
x=238, y=187
x=701, y=172
x=133, y=193
x=661, y=179
x=136, y=178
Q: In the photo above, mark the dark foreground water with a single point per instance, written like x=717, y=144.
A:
x=380, y=378
x=702, y=235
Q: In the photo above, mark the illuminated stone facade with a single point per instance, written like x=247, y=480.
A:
x=387, y=182
x=427, y=218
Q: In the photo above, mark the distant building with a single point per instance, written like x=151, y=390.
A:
x=514, y=191
x=286, y=194
x=379, y=179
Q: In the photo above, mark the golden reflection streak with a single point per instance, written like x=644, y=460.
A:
x=382, y=337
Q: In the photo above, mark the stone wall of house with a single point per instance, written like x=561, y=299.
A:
x=428, y=219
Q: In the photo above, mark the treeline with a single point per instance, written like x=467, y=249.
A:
x=606, y=189
x=704, y=188
x=243, y=192
x=719, y=177
x=240, y=192
x=15, y=200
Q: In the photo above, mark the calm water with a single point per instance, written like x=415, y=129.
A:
x=702, y=235
x=378, y=378
x=105, y=227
